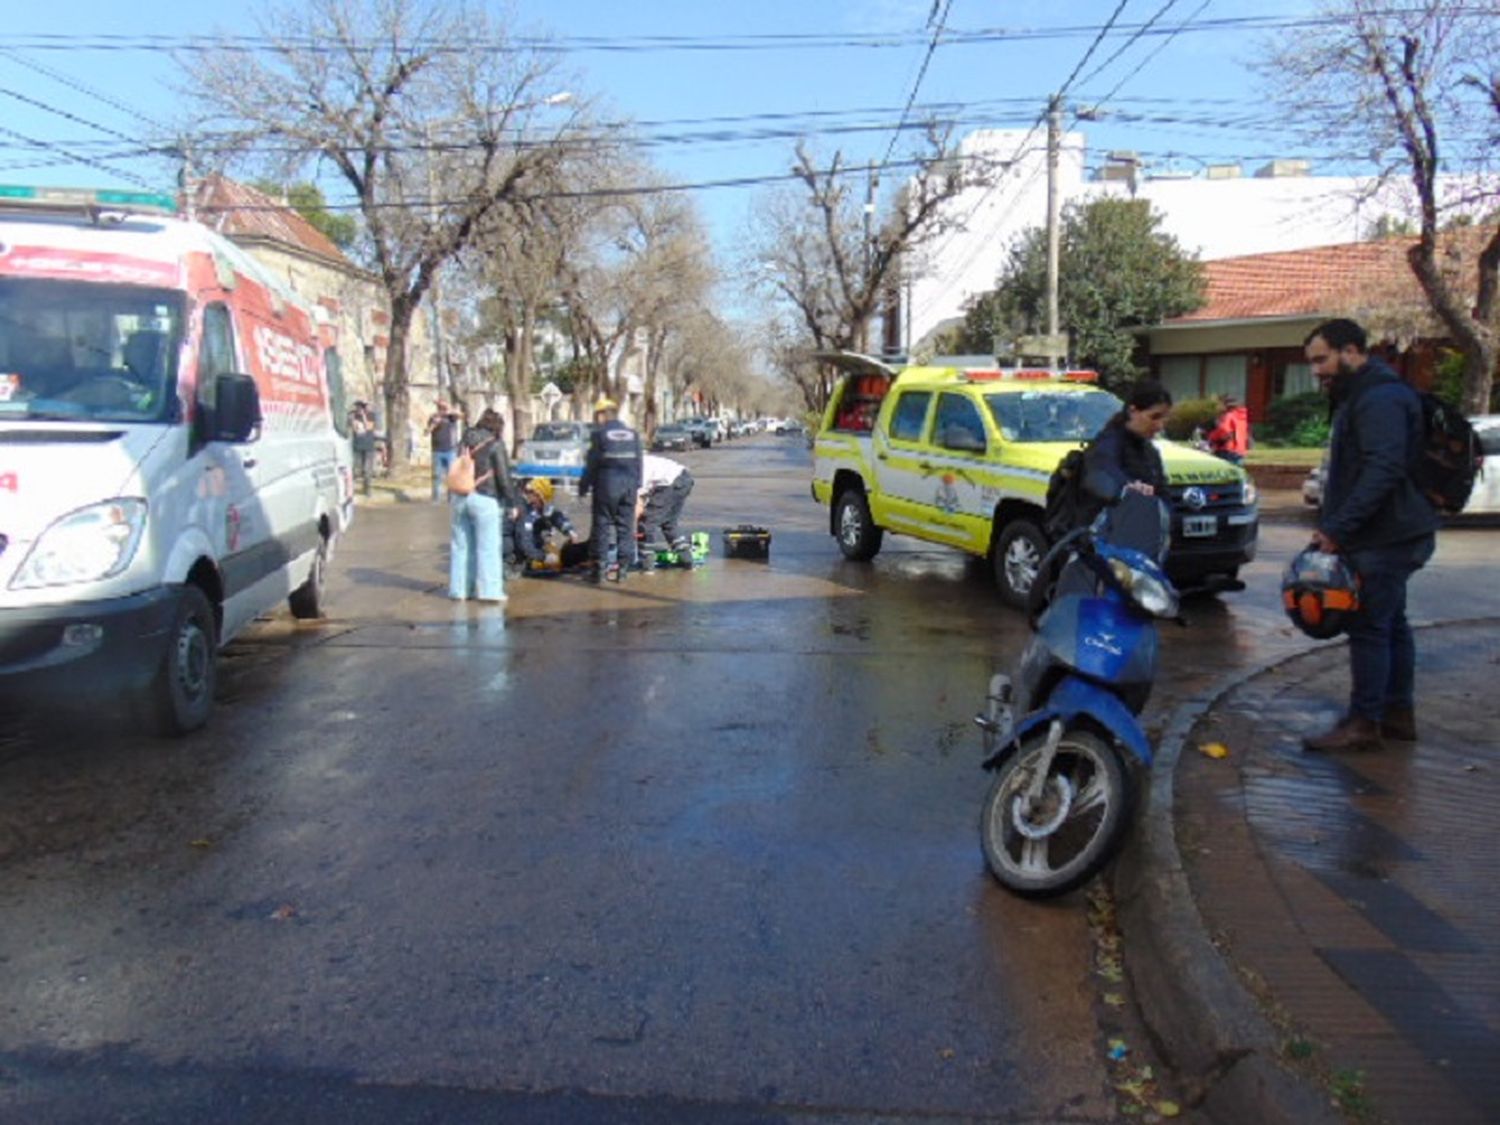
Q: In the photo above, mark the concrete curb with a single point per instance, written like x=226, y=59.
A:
x=1205, y=1022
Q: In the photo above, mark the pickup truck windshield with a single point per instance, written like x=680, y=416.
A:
x=71, y=350
x=1051, y=415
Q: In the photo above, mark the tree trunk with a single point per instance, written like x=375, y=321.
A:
x=1475, y=339
x=518, y=336
x=397, y=390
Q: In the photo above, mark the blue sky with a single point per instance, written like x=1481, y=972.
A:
x=1000, y=83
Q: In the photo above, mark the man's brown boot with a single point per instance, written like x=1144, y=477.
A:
x=1399, y=724
x=1353, y=733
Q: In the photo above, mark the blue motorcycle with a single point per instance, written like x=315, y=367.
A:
x=1060, y=802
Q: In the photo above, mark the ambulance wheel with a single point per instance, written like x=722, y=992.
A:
x=181, y=693
x=308, y=602
x=1017, y=558
x=857, y=534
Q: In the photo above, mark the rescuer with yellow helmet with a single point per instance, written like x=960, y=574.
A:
x=538, y=520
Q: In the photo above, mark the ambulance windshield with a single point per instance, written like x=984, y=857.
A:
x=73, y=351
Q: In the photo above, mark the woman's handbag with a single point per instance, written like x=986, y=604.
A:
x=460, y=479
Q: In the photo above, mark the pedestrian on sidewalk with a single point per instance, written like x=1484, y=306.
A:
x=665, y=486
x=362, y=441
x=1230, y=437
x=1374, y=514
x=613, y=474
x=474, y=566
x=442, y=434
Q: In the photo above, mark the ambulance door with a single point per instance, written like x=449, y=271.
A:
x=229, y=508
x=900, y=457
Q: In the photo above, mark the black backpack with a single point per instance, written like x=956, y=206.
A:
x=1065, y=499
x=1450, y=457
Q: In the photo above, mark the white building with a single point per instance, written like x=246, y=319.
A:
x=1220, y=212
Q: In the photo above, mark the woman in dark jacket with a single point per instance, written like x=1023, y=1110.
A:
x=474, y=566
x=1123, y=456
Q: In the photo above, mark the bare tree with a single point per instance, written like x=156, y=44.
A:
x=1420, y=81
x=830, y=263
x=424, y=108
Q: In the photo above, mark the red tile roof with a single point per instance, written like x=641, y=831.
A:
x=238, y=210
x=1322, y=280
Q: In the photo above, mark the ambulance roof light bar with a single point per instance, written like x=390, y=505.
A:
x=99, y=204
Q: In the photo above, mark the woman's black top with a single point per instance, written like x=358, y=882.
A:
x=489, y=456
x=1116, y=458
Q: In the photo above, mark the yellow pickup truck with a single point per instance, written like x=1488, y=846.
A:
x=959, y=452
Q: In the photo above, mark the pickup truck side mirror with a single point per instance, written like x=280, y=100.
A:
x=236, y=416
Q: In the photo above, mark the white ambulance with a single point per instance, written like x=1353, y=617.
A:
x=173, y=452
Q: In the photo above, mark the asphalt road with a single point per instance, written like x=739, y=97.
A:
x=700, y=848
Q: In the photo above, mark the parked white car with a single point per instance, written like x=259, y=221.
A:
x=1483, y=501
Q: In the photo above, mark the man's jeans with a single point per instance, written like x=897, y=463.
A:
x=441, y=462
x=474, y=569
x=1382, y=651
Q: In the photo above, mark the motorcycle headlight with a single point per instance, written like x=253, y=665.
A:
x=84, y=546
x=1156, y=597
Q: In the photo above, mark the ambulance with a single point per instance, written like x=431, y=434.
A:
x=173, y=452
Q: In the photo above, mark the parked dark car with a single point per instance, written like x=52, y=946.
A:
x=673, y=436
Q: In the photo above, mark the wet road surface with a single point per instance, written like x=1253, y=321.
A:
x=698, y=848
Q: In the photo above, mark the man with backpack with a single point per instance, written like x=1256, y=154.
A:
x=1374, y=513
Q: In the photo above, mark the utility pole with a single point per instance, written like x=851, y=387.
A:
x=1054, y=142
x=871, y=182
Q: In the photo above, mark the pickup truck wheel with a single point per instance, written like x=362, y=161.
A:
x=1017, y=558
x=858, y=536
x=181, y=693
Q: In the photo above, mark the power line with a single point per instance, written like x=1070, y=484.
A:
x=937, y=34
x=90, y=161
x=59, y=41
x=1120, y=50
x=77, y=86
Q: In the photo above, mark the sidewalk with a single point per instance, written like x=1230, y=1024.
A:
x=1315, y=929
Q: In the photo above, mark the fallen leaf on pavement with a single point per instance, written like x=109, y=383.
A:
x=1168, y=1109
x=1214, y=750
x=283, y=912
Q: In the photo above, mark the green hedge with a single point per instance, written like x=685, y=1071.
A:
x=1192, y=414
x=1295, y=421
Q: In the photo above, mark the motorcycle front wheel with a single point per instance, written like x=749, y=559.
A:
x=1049, y=844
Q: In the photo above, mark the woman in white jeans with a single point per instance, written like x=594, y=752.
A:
x=474, y=568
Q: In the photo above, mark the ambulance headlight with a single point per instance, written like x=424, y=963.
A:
x=85, y=546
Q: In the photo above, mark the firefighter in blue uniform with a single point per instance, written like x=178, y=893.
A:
x=613, y=474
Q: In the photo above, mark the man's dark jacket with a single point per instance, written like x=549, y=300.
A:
x=1369, y=497
x=613, y=465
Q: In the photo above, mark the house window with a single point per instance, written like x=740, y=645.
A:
x=1225, y=375
x=1297, y=379
x=1179, y=374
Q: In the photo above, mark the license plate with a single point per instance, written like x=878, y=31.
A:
x=1200, y=525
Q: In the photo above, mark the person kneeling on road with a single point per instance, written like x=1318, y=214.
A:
x=539, y=521
x=665, y=485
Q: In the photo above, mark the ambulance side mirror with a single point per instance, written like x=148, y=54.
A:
x=236, y=415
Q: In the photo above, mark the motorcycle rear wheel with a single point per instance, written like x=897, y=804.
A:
x=1048, y=847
